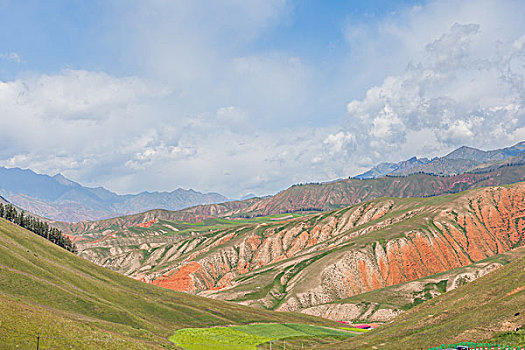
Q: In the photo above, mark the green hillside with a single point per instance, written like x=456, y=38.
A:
x=73, y=303
x=313, y=198
x=492, y=309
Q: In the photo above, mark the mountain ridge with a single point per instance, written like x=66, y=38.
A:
x=318, y=197
x=59, y=198
x=455, y=162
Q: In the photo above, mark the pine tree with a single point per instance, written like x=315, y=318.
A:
x=36, y=226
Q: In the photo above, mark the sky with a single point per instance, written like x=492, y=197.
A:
x=251, y=96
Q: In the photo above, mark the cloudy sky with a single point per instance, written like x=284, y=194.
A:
x=252, y=96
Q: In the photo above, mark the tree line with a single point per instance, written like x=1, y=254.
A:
x=34, y=225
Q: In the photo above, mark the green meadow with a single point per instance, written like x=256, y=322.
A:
x=250, y=337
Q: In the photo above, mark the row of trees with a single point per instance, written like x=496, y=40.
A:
x=32, y=224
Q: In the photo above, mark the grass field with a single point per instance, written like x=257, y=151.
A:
x=250, y=336
x=74, y=303
x=174, y=227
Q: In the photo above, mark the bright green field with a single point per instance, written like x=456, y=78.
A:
x=248, y=336
x=212, y=224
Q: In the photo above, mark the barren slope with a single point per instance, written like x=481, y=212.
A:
x=488, y=309
x=305, y=262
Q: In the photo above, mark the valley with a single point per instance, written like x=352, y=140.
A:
x=313, y=263
x=358, y=251
x=72, y=303
x=262, y=175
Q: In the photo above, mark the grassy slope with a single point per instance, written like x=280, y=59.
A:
x=44, y=289
x=478, y=311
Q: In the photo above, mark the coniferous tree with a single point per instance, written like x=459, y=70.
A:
x=36, y=226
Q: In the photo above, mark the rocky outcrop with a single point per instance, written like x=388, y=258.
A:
x=263, y=245
x=387, y=303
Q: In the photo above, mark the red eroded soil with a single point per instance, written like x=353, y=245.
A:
x=147, y=224
x=108, y=236
x=180, y=279
x=473, y=228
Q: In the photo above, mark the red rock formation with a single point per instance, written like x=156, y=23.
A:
x=147, y=224
x=180, y=279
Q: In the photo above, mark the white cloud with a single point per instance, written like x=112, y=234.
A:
x=119, y=132
x=465, y=86
x=11, y=56
x=207, y=110
x=337, y=141
x=76, y=93
x=65, y=121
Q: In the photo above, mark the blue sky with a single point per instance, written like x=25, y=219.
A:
x=253, y=96
x=51, y=35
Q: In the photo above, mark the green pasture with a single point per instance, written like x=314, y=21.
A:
x=249, y=337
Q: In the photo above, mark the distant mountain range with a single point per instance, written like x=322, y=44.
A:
x=58, y=198
x=314, y=198
x=61, y=199
x=458, y=161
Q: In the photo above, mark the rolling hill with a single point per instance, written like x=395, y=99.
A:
x=315, y=197
x=306, y=263
x=490, y=309
x=58, y=198
x=71, y=302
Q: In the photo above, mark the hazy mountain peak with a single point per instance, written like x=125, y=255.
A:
x=61, y=179
x=59, y=198
x=465, y=152
x=460, y=160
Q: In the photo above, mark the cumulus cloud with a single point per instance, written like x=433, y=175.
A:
x=336, y=142
x=73, y=119
x=466, y=88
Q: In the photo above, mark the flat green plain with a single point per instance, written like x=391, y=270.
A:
x=249, y=336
